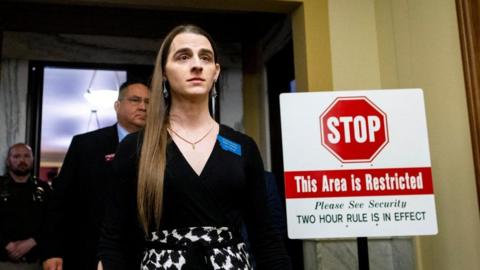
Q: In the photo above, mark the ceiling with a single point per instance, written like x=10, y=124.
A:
x=285, y=6
x=226, y=20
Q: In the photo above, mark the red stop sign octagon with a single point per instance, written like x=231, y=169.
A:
x=354, y=129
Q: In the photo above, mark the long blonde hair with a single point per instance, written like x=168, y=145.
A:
x=153, y=153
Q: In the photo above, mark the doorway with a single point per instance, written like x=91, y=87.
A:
x=281, y=79
x=65, y=99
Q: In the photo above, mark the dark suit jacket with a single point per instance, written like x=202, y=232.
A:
x=78, y=200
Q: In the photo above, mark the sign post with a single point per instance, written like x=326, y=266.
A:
x=357, y=164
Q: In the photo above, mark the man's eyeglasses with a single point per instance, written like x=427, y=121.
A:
x=135, y=100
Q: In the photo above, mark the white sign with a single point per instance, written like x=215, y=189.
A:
x=357, y=164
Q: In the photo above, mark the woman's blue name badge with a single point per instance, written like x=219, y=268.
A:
x=230, y=146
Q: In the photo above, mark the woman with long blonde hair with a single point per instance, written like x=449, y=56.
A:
x=187, y=185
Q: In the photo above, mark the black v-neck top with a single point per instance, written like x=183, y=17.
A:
x=229, y=191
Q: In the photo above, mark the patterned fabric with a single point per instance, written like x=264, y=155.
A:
x=195, y=248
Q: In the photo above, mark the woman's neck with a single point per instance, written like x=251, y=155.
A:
x=188, y=115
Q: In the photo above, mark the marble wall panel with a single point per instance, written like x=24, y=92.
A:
x=384, y=254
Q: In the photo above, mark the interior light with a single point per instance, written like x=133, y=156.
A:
x=101, y=98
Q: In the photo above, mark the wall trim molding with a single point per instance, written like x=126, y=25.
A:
x=469, y=31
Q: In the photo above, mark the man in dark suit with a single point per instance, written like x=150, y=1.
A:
x=78, y=201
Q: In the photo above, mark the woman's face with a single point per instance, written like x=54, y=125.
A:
x=190, y=68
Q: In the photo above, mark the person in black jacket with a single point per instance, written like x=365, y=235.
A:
x=187, y=183
x=78, y=202
x=23, y=201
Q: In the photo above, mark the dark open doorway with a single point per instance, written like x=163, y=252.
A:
x=280, y=79
x=56, y=92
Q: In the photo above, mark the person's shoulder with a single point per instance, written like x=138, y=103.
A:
x=128, y=154
x=4, y=179
x=97, y=133
x=234, y=135
x=93, y=137
x=130, y=146
x=235, y=141
x=133, y=140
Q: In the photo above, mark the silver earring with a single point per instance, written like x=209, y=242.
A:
x=165, y=91
x=213, y=98
x=214, y=91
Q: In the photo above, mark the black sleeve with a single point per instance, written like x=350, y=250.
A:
x=267, y=247
x=53, y=232
x=121, y=238
x=275, y=205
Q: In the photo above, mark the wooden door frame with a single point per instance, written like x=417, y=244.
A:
x=469, y=32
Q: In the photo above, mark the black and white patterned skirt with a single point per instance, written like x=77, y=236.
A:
x=195, y=248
